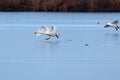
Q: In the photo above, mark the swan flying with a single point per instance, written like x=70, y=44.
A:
x=51, y=32
x=113, y=24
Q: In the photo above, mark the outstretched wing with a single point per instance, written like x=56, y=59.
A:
x=115, y=21
x=106, y=26
x=41, y=30
x=52, y=29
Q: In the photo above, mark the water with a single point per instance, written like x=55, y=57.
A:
x=84, y=51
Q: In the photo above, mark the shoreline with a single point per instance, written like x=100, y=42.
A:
x=60, y=5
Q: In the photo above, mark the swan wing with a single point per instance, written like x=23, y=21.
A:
x=40, y=31
x=115, y=21
x=52, y=29
x=106, y=26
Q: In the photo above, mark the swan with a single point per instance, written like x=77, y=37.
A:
x=111, y=24
x=51, y=32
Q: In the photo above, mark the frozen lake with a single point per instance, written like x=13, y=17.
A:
x=84, y=51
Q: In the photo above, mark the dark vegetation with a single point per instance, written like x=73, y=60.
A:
x=61, y=5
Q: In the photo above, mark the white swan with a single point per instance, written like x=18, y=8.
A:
x=51, y=32
x=111, y=24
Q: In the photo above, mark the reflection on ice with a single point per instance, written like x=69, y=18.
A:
x=112, y=35
x=111, y=38
x=47, y=48
x=47, y=43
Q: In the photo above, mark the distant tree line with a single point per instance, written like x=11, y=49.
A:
x=61, y=5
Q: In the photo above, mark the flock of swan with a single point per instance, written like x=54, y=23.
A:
x=51, y=32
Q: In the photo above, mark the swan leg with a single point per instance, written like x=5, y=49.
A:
x=48, y=38
x=57, y=36
x=116, y=28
